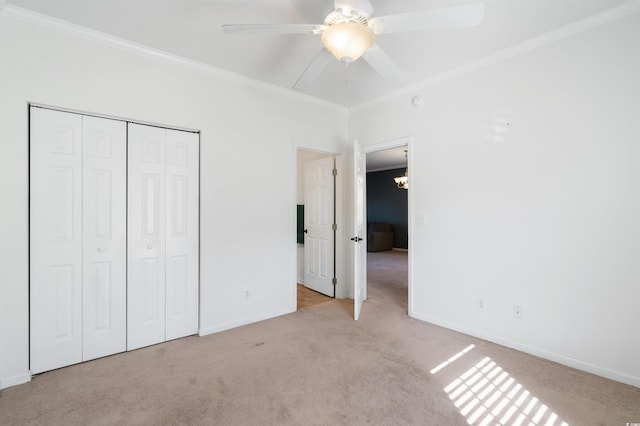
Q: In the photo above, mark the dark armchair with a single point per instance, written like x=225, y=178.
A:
x=379, y=236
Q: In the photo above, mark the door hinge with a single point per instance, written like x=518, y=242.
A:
x=334, y=281
x=334, y=227
x=335, y=172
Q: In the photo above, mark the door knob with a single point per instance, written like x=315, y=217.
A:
x=356, y=239
x=100, y=249
x=306, y=231
x=149, y=246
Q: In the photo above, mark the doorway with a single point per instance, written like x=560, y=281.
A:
x=344, y=265
x=316, y=227
x=388, y=217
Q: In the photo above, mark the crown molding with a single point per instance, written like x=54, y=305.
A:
x=54, y=24
x=610, y=15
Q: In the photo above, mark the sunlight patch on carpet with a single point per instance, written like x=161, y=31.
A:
x=453, y=358
x=487, y=395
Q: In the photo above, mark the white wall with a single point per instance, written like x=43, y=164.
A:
x=526, y=174
x=249, y=135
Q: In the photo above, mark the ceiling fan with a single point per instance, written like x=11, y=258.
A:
x=350, y=29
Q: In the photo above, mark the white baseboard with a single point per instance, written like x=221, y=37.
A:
x=20, y=379
x=532, y=350
x=400, y=249
x=234, y=324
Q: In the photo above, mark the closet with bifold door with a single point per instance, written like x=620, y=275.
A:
x=113, y=236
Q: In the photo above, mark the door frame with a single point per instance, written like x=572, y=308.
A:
x=341, y=288
x=381, y=146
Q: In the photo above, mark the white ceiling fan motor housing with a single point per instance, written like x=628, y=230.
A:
x=358, y=11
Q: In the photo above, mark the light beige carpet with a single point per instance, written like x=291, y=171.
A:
x=319, y=367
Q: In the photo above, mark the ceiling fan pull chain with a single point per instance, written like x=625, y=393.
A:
x=346, y=72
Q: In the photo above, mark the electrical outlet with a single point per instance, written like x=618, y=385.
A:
x=481, y=305
x=246, y=295
x=517, y=312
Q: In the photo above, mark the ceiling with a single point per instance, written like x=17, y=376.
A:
x=393, y=158
x=191, y=29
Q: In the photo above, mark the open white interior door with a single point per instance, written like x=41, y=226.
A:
x=359, y=231
x=319, y=220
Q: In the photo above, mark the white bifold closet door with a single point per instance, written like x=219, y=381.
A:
x=77, y=238
x=104, y=237
x=163, y=233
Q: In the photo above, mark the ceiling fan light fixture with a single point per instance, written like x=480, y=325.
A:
x=347, y=41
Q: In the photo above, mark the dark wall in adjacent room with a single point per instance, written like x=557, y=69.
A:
x=387, y=203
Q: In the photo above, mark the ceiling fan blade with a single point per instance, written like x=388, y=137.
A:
x=466, y=15
x=383, y=64
x=273, y=28
x=312, y=72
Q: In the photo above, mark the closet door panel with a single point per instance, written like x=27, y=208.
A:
x=146, y=236
x=104, y=237
x=55, y=258
x=182, y=212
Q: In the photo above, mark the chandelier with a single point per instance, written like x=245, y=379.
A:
x=403, y=181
